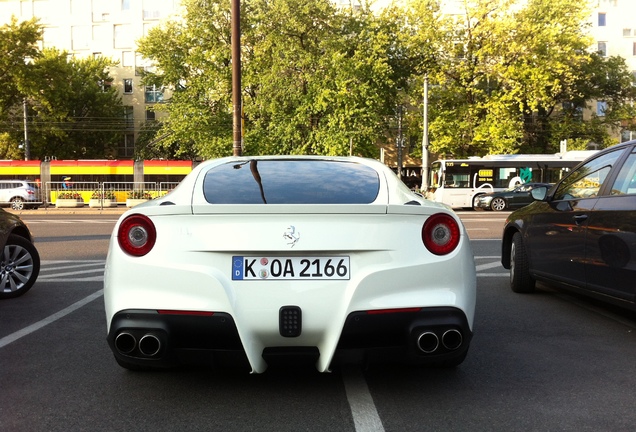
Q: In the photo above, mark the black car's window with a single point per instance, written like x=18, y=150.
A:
x=626, y=181
x=586, y=181
x=291, y=181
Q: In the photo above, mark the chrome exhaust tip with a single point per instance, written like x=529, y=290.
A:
x=125, y=343
x=452, y=339
x=149, y=345
x=428, y=342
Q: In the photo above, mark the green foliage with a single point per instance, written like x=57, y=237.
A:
x=316, y=78
x=70, y=114
x=9, y=147
x=18, y=45
x=502, y=72
x=69, y=195
x=74, y=112
x=103, y=194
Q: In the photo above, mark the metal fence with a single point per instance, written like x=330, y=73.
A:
x=25, y=194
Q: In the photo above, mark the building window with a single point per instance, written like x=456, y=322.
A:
x=602, y=49
x=127, y=59
x=150, y=115
x=128, y=85
x=602, y=19
x=634, y=48
x=601, y=107
x=105, y=85
x=129, y=119
x=100, y=11
x=150, y=10
x=125, y=5
x=153, y=94
x=627, y=135
x=81, y=37
x=127, y=147
x=122, y=35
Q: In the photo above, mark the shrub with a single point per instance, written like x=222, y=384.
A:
x=69, y=195
x=106, y=194
x=138, y=194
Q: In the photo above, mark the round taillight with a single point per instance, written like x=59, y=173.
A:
x=440, y=234
x=136, y=235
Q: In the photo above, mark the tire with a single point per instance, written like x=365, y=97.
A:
x=17, y=203
x=19, y=267
x=498, y=204
x=520, y=279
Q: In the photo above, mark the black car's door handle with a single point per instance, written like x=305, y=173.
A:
x=579, y=219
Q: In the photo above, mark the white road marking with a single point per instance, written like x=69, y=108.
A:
x=53, y=271
x=365, y=415
x=46, y=321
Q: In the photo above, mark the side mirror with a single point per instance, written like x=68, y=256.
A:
x=539, y=193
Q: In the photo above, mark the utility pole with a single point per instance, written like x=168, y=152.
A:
x=237, y=147
x=400, y=139
x=425, y=137
x=27, y=150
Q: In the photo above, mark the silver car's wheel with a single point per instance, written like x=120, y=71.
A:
x=17, y=203
x=19, y=267
x=498, y=204
x=520, y=279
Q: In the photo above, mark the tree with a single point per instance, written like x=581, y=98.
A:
x=74, y=113
x=503, y=71
x=315, y=78
x=192, y=58
x=18, y=45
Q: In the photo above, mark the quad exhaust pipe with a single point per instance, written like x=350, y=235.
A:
x=149, y=345
x=125, y=343
x=429, y=342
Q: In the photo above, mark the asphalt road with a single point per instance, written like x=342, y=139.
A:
x=546, y=361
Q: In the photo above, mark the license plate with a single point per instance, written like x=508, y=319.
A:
x=290, y=268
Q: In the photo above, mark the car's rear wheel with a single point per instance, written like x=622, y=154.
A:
x=17, y=203
x=19, y=267
x=498, y=204
x=520, y=279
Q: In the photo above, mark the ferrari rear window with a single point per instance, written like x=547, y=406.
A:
x=291, y=181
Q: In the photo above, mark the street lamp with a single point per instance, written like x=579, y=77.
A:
x=27, y=150
x=425, y=136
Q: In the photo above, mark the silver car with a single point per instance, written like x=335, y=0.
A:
x=19, y=194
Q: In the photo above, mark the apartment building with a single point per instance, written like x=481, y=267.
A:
x=103, y=28
x=613, y=28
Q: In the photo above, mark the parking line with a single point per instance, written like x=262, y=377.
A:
x=365, y=415
x=51, y=319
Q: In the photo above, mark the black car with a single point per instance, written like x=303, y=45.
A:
x=513, y=198
x=19, y=259
x=581, y=233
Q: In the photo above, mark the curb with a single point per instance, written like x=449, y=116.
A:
x=49, y=211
